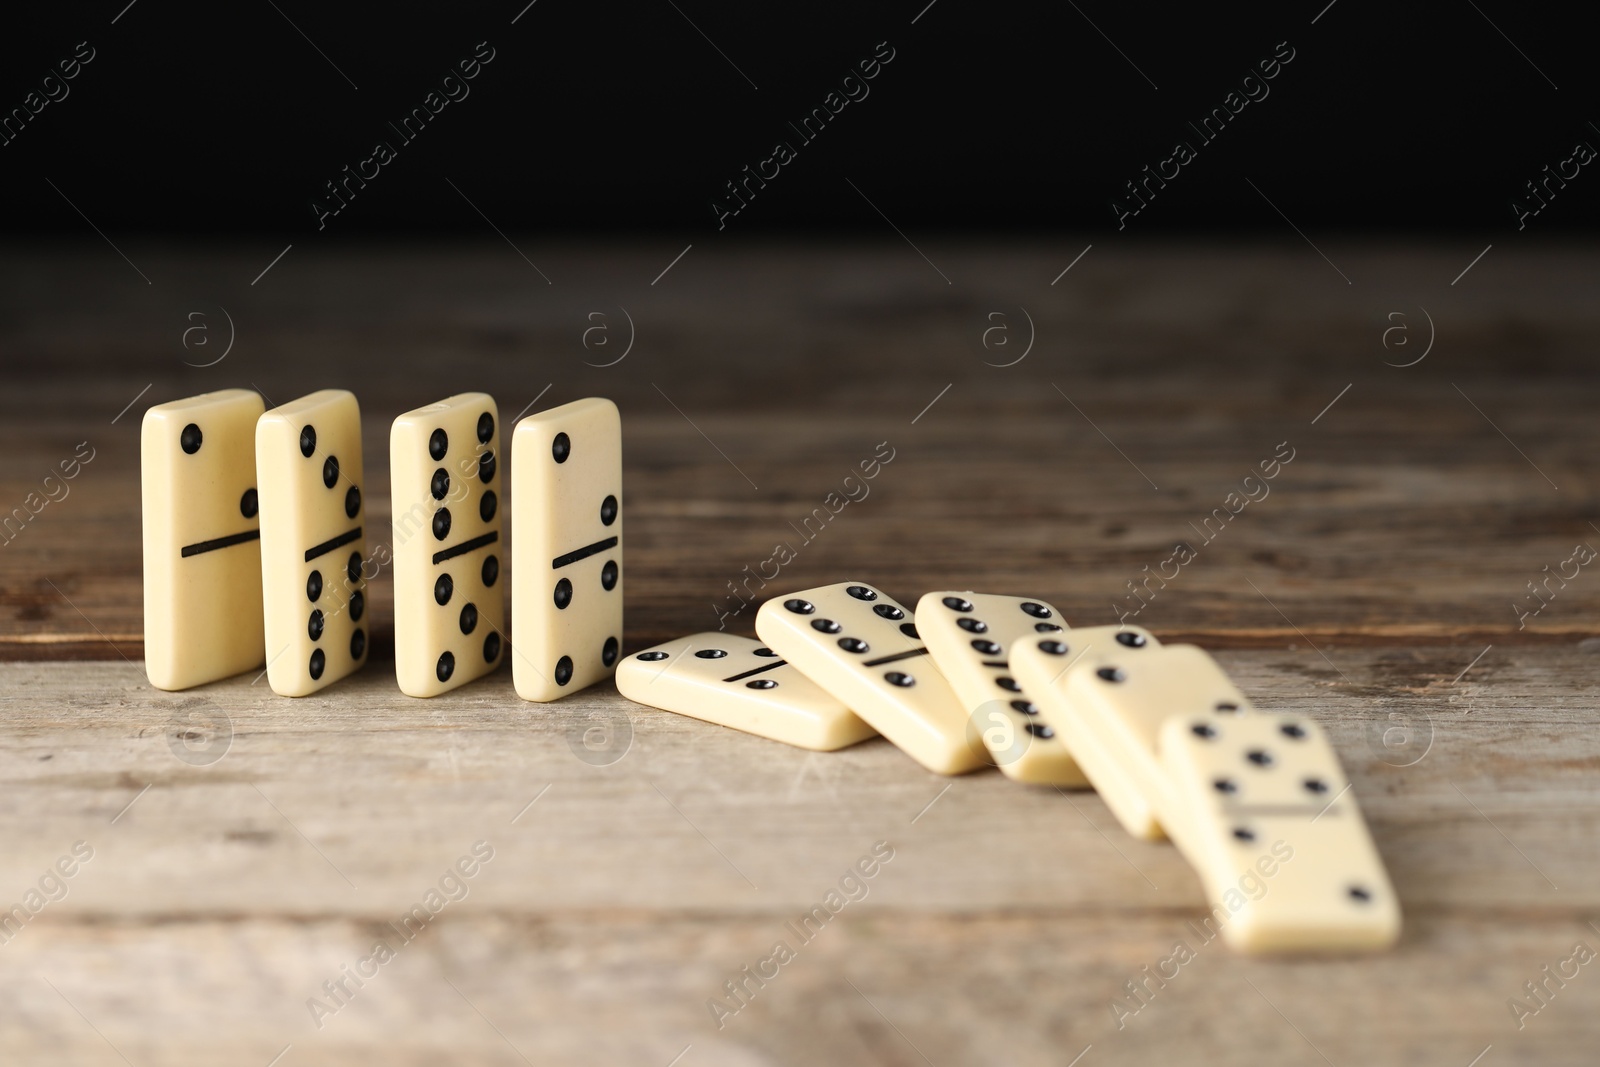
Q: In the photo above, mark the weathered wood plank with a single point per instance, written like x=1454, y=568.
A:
x=1031, y=988
x=620, y=901
x=223, y=892
x=359, y=766
x=1405, y=516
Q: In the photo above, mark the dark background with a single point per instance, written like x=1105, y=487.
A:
x=223, y=119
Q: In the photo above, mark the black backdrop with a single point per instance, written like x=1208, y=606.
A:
x=222, y=119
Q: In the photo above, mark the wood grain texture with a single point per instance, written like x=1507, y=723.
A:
x=1405, y=516
x=247, y=847
x=648, y=873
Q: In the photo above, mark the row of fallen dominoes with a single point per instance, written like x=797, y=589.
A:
x=254, y=550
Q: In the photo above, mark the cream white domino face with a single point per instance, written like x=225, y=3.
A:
x=308, y=471
x=566, y=530
x=1276, y=835
x=970, y=635
x=449, y=605
x=863, y=649
x=202, y=547
x=739, y=682
x=1111, y=731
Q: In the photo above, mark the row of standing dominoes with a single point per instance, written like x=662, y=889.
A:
x=255, y=545
x=1257, y=802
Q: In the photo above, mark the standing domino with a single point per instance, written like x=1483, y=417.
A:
x=968, y=635
x=202, y=548
x=444, y=478
x=863, y=649
x=1113, y=735
x=308, y=467
x=566, y=529
x=1276, y=835
x=736, y=681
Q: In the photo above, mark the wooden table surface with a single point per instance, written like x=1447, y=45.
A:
x=247, y=848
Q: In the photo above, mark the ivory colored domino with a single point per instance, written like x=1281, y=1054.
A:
x=202, y=547
x=449, y=605
x=308, y=470
x=1257, y=803
x=863, y=649
x=969, y=636
x=566, y=531
x=1276, y=834
x=740, y=683
x=1112, y=733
